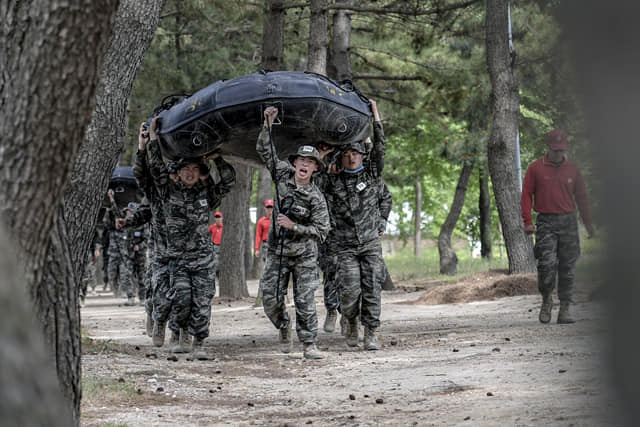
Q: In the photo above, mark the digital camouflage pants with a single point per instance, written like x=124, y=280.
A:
x=359, y=277
x=160, y=290
x=120, y=269
x=304, y=270
x=190, y=295
x=556, y=250
x=328, y=265
x=139, y=264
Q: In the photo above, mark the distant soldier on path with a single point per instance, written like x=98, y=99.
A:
x=554, y=185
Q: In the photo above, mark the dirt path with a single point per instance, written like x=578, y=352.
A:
x=481, y=363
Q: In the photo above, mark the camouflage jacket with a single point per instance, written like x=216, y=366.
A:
x=359, y=203
x=151, y=211
x=186, y=210
x=304, y=205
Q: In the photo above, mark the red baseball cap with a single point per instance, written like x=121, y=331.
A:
x=218, y=214
x=268, y=203
x=557, y=140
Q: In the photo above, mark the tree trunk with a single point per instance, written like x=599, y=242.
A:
x=448, y=258
x=484, y=206
x=51, y=58
x=501, y=147
x=30, y=393
x=417, y=220
x=318, y=37
x=339, y=64
x=235, y=210
x=273, y=36
x=56, y=296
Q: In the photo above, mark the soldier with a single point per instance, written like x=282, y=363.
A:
x=359, y=206
x=118, y=251
x=555, y=185
x=186, y=205
x=138, y=237
x=215, y=230
x=89, y=278
x=301, y=222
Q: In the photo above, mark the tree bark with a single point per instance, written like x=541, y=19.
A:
x=484, y=207
x=448, y=257
x=273, y=36
x=505, y=107
x=235, y=210
x=339, y=64
x=51, y=58
x=417, y=220
x=318, y=37
x=56, y=296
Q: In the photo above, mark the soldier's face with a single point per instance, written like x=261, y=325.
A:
x=305, y=166
x=351, y=159
x=556, y=156
x=189, y=174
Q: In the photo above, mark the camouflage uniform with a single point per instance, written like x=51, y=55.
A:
x=557, y=248
x=89, y=278
x=157, y=301
x=328, y=263
x=108, y=225
x=189, y=245
x=138, y=237
x=120, y=266
x=359, y=205
x=141, y=216
x=307, y=208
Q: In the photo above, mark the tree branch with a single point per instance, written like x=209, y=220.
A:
x=405, y=11
x=368, y=76
x=393, y=55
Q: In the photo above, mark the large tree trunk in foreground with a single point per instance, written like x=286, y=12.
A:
x=235, y=211
x=339, y=64
x=448, y=258
x=56, y=297
x=29, y=395
x=51, y=58
x=484, y=207
x=505, y=108
x=318, y=37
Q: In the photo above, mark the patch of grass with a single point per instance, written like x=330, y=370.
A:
x=404, y=265
x=106, y=390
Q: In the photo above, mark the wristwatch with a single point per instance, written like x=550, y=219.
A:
x=295, y=228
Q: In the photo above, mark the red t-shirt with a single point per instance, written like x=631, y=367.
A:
x=216, y=233
x=554, y=189
x=262, y=231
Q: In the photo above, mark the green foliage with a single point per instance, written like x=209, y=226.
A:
x=404, y=266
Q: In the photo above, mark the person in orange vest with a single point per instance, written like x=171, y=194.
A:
x=262, y=231
x=216, y=236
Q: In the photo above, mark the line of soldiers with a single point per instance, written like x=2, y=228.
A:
x=341, y=207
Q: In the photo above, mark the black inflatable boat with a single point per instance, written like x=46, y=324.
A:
x=124, y=185
x=227, y=115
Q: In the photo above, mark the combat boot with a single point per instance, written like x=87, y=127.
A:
x=198, y=349
x=352, y=332
x=149, y=325
x=185, y=339
x=370, y=339
x=286, y=342
x=344, y=326
x=158, y=334
x=174, y=343
x=310, y=351
x=545, y=309
x=131, y=301
x=563, y=314
x=330, y=321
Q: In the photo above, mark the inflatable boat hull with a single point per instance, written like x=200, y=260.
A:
x=228, y=115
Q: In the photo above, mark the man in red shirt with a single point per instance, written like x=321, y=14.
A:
x=216, y=236
x=262, y=231
x=554, y=185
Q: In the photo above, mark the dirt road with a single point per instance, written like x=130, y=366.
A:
x=483, y=363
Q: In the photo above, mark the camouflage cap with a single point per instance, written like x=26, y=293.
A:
x=307, y=151
x=355, y=146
